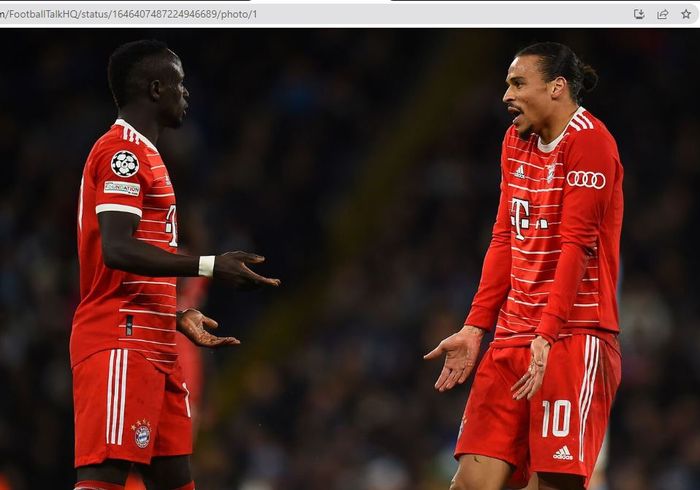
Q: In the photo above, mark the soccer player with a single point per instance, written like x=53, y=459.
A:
x=541, y=397
x=131, y=402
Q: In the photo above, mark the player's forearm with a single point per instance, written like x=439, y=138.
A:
x=493, y=286
x=134, y=256
x=567, y=278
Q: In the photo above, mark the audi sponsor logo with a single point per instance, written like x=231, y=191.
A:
x=579, y=178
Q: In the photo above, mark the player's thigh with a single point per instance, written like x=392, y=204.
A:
x=476, y=472
x=117, y=398
x=560, y=481
x=494, y=424
x=174, y=436
x=167, y=472
x=109, y=471
x=569, y=415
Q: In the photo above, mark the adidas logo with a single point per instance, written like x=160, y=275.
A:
x=520, y=173
x=563, y=453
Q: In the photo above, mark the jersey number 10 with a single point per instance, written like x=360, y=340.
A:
x=561, y=418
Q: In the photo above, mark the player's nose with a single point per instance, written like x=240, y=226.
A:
x=508, y=96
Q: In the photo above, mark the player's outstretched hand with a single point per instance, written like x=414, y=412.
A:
x=531, y=381
x=232, y=267
x=192, y=322
x=462, y=349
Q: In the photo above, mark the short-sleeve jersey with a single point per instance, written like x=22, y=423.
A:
x=118, y=310
x=566, y=193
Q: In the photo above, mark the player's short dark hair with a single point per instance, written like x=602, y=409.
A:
x=130, y=64
x=558, y=60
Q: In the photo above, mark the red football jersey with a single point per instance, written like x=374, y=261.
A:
x=552, y=265
x=119, y=310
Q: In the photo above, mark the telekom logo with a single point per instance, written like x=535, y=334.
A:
x=520, y=216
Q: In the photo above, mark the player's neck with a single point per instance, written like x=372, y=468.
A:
x=560, y=120
x=143, y=123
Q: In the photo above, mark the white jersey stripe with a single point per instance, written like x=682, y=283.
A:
x=527, y=335
x=159, y=360
x=187, y=400
x=150, y=282
x=101, y=208
x=144, y=340
x=590, y=374
x=524, y=303
x=123, y=397
x=584, y=393
x=109, y=394
x=146, y=312
x=506, y=329
x=152, y=240
x=161, y=195
x=153, y=294
x=133, y=303
x=531, y=282
x=551, y=189
x=154, y=352
x=535, y=253
x=588, y=121
x=115, y=398
x=150, y=328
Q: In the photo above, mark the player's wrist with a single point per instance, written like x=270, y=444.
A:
x=206, y=266
x=473, y=330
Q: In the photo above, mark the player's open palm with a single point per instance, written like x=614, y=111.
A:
x=461, y=350
x=232, y=267
x=532, y=380
x=192, y=324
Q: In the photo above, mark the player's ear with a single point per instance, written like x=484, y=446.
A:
x=154, y=89
x=558, y=87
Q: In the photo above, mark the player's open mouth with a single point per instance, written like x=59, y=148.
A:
x=514, y=112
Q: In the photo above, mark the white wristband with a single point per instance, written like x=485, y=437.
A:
x=206, y=265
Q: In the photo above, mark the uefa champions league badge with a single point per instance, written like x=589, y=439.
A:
x=142, y=433
x=125, y=163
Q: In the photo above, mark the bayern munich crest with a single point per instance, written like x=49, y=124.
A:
x=125, y=163
x=142, y=433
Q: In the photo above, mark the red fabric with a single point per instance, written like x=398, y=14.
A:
x=556, y=272
x=97, y=485
x=191, y=294
x=118, y=309
x=189, y=486
x=147, y=414
x=582, y=377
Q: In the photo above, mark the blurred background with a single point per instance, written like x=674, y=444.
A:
x=364, y=164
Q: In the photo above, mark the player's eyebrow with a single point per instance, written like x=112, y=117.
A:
x=515, y=79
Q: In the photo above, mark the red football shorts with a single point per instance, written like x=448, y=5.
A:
x=562, y=428
x=126, y=408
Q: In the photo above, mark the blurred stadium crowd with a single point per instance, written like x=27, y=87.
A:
x=364, y=165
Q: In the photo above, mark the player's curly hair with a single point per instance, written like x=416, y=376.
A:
x=129, y=68
x=558, y=60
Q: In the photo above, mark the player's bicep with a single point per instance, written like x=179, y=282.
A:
x=588, y=186
x=116, y=232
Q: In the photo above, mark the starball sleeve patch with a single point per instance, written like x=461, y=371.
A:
x=125, y=163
